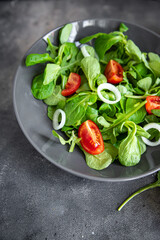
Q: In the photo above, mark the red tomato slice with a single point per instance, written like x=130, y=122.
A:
x=73, y=83
x=114, y=72
x=153, y=102
x=91, y=137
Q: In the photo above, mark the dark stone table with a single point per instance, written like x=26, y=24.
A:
x=38, y=201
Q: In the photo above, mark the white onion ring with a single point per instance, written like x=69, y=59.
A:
x=84, y=51
x=147, y=127
x=110, y=87
x=57, y=125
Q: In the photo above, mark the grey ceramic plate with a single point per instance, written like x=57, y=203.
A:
x=33, y=120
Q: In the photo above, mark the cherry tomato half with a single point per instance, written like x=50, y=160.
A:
x=153, y=102
x=114, y=72
x=91, y=137
x=73, y=83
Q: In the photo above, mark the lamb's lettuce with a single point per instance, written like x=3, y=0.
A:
x=123, y=28
x=35, y=58
x=105, y=42
x=75, y=109
x=56, y=97
x=145, y=83
x=65, y=33
x=92, y=71
x=73, y=140
x=133, y=51
x=154, y=63
x=102, y=160
x=52, y=49
x=39, y=90
x=129, y=149
x=140, y=114
x=51, y=73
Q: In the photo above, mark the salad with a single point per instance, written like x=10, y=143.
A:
x=103, y=93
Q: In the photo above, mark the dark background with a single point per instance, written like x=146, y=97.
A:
x=38, y=201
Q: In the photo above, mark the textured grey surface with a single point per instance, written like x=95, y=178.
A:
x=38, y=201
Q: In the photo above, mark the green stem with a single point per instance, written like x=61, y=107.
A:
x=152, y=185
x=154, y=89
x=109, y=119
x=72, y=146
x=136, y=97
x=69, y=65
x=119, y=121
x=140, y=97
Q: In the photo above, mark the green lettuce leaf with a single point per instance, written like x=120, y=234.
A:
x=35, y=58
x=91, y=69
x=51, y=73
x=56, y=97
x=39, y=90
x=102, y=160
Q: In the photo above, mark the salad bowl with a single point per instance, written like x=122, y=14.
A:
x=37, y=127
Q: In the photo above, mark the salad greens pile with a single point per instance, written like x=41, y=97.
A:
x=121, y=124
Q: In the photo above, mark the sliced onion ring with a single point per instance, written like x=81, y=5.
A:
x=84, y=51
x=110, y=87
x=147, y=127
x=56, y=124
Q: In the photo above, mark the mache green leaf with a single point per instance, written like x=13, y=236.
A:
x=39, y=90
x=65, y=33
x=133, y=51
x=91, y=69
x=129, y=149
x=102, y=160
x=51, y=73
x=123, y=28
x=52, y=49
x=35, y=58
x=145, y=83
x=56, y=97
x=156, y=112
